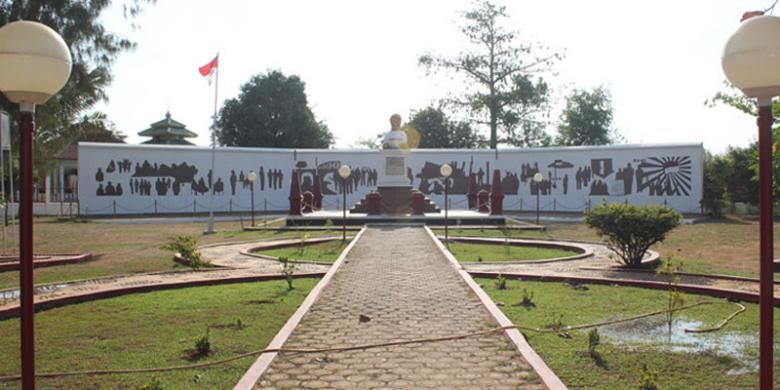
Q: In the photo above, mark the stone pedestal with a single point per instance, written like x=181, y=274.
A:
x=396, y=200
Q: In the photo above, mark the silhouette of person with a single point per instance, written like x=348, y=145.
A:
x=261, y=176
x=99, y=175
x=100, y=190
x=232, y=182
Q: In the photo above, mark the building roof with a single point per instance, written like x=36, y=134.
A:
x=167, y=129
x=157, y=140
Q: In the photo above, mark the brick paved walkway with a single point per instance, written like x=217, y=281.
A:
x=398, y=278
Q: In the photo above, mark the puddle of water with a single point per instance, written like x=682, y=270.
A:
x=14, y=294
x=654, y=333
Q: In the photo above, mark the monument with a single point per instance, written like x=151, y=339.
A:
x=394, y=185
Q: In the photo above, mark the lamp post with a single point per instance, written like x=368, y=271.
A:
x=446, y=171
x=344, y=172
x=538, y=177
x=251, y=177
x=750, y=61
x=36, y=64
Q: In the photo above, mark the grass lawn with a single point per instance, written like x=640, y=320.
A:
x=473, y=252
x=123, y=249
x=727, y=246
x=154, y=330
x=622, y=362
x=326, y=252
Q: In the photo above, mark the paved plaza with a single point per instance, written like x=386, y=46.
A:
x=403, y=288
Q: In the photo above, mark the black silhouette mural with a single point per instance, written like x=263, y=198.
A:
x=665, y=176
x=568, y=177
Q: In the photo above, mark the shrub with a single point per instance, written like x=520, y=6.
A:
x=631, y=230
x=593, y=341
x=500, y=282
x=187, y=247
x=288, y=269
x=649, y=379
x=203, y=344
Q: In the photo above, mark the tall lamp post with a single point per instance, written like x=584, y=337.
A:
x=344, y=172
x=538, y=177
x=751, y=60
x=446, y=171
x=36, y=64
x=252, y=176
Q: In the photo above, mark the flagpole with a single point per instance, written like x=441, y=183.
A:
x=210, y=229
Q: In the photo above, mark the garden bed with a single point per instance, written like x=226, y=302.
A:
x=725, y=359
x=156, y=329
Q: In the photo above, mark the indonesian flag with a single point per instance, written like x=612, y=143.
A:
x=209, y=69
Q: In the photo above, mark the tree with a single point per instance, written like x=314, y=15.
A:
x=742, y=163
x=630, y=230
x=437, y=130
x=587, y=119
x=93, y=50
x=714, y=186
x=505, y=87
x=271, y=111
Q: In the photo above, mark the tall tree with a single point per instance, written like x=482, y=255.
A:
x=94, y=50
x=587, y=119
x=272, y=111
x=741, y=184
x=504, y=78
x=437, y=130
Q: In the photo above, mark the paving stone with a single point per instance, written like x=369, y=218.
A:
x=397, y=277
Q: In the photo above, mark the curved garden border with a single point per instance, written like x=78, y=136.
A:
x=689, y=288
x=288, y=244
x=582, y=251
x=651, y=257
x=103, y=294
x=11, y=263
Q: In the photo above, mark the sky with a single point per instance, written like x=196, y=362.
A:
x=660, y=60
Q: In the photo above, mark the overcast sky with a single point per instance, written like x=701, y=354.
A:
x=659, y=59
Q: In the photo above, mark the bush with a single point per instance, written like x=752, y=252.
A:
x=631, y=230
x=187, y=247
x=203, y=344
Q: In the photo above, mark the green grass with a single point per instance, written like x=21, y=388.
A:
x=471, y=252
x=126, y=249
x=569, y=359
x=154, y=330
x=326, y=252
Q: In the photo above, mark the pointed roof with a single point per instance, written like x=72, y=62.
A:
x=167, y=131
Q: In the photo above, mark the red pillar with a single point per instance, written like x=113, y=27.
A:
x=472, y=194
x=295, y=194
x=374, y=200
x=418, y=203
x=766, y=295
x=26, y=282
x=317, y=190
x=496, y=194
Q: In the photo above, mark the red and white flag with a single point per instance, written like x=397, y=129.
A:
x=209, y=69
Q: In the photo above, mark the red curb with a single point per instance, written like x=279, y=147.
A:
x=259, y=367
x=14, y=265
x=711, y=276
x=546, y=375
x=582, y=252
x=691, y=288
x=69, y=300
